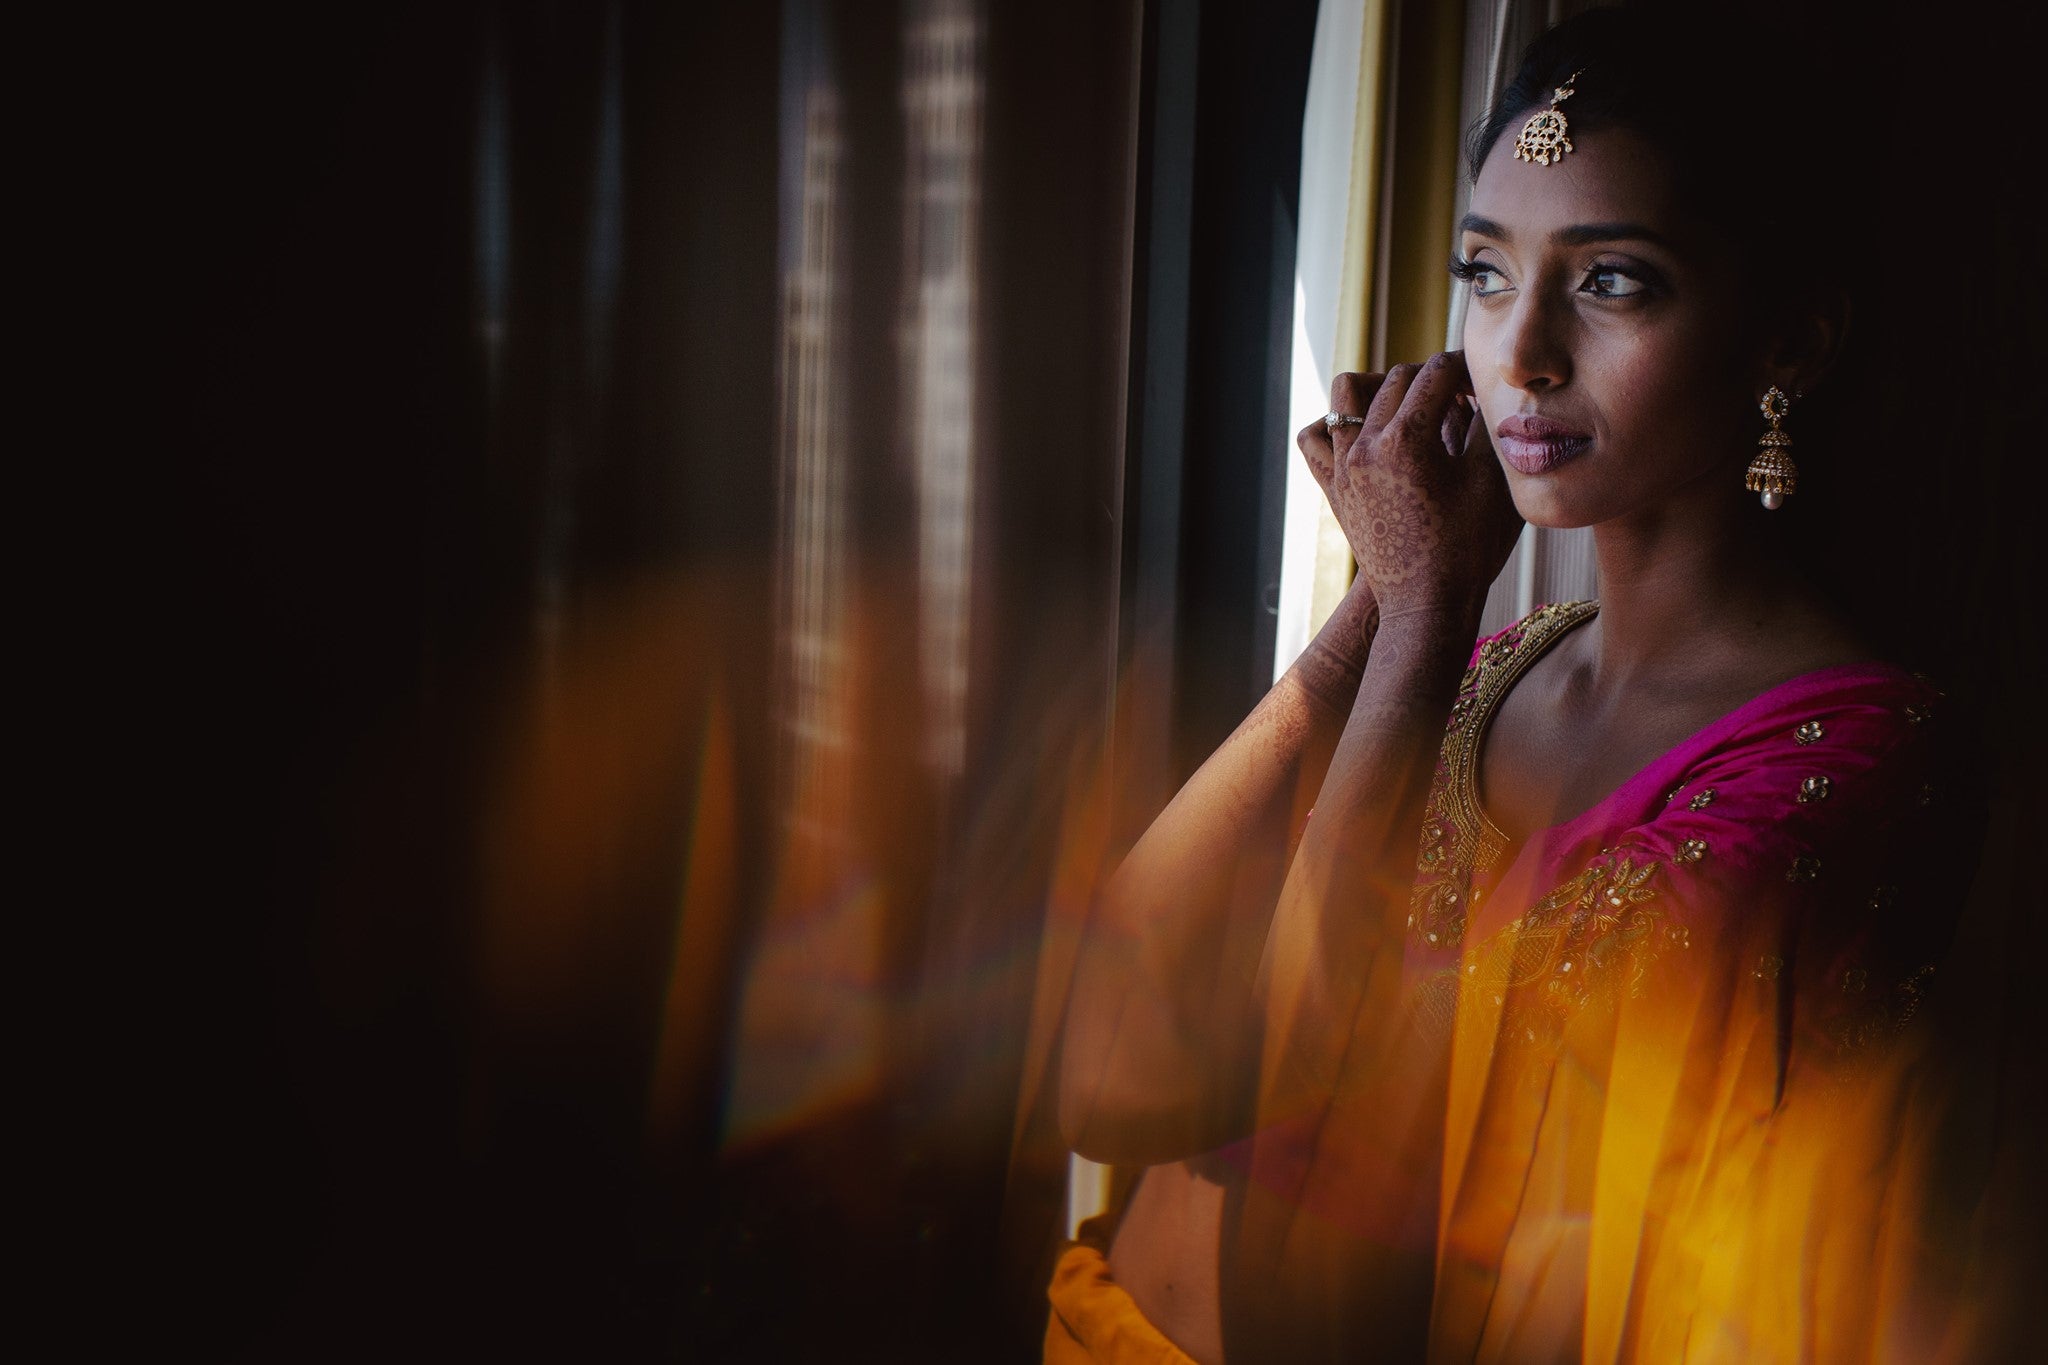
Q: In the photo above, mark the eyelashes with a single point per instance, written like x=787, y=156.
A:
x=1471, y=272
x=1645, y=280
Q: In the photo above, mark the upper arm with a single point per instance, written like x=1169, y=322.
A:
x=1816, y=868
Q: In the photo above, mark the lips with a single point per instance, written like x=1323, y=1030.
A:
x=1537, y=445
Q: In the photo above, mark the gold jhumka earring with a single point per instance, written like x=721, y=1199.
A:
x=1543, y=138
x=1772, y=472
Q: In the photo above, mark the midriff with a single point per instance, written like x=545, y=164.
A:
x=1167, y=1254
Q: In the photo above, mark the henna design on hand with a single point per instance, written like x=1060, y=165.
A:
x=1402, y=529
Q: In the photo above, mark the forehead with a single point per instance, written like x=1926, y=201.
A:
x=1612, y=175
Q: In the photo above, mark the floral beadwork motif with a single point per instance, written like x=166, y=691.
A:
x=1457, y=840
x=1875, y=1015
x=1805, y=868
x=1619, y=885
x=1692, y=850
x=1812, y=732
x=1702, y=801
x=1814, y=789
x=1597, y=934
x=1438, y=918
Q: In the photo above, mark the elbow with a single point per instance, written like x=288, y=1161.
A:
x=1118, y=1121
x=1090, y=1128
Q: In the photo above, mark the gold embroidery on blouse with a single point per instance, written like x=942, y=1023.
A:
x=1692, y=850
x=1597, y=933
x=1811, y=732
x=1813, y=789
x=1702, y=801
x=1457, y=839
x=1620, y=886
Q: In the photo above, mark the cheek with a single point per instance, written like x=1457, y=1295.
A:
x=1665, y=382
x=1477, y=337
x=1477, y=341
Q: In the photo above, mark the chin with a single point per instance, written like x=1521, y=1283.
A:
x=1543, y=502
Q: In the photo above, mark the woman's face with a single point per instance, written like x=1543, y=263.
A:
x=1604, y=334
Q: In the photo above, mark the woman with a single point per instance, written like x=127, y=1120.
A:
x=1611, y=1065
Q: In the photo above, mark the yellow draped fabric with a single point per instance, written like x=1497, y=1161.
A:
x=1640, y=1087
x=1651, y=1085
x=1093, y=1319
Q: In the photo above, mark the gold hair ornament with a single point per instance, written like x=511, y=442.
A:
x=1772, y=472
x=1544, y=137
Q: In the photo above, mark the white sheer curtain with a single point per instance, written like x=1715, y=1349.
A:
x=1339, y=130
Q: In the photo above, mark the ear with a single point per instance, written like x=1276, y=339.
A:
x=1805, y=347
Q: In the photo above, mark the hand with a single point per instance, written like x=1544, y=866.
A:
x=1415, y=486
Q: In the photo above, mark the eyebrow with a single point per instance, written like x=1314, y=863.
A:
x=1581, y=234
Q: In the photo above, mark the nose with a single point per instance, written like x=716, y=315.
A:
x=1534, y=347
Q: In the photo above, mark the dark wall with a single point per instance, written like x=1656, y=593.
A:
x=436, y=390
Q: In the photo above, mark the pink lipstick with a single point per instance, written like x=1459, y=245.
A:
x=1537, y=445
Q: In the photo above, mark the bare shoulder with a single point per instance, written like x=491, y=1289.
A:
x=1804, y=638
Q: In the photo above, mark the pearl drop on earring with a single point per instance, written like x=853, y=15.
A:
x=1772, y=472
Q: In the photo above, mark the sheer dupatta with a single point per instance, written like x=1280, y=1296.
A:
x=1643, y=1093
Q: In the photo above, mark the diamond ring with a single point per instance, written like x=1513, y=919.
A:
x=1341, y=419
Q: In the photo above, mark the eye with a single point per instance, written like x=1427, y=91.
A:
x=1485, y=279
x=1612, y=282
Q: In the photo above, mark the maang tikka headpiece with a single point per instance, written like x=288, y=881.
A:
x=1543, y=138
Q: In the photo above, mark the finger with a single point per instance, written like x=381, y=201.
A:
x=1313, y=441
x=1442, y=378
x=1457, y=419
x=1430, y=400
x=1388, y=400
x=1351, y=395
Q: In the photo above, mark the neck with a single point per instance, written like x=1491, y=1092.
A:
x=1683, y=579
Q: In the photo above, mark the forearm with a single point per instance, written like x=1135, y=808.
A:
x=1164, y=979
x=1337, y=932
